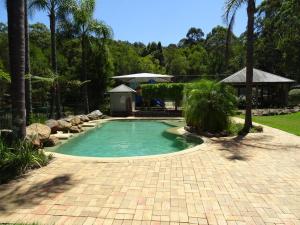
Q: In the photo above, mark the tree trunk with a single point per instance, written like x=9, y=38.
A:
x=58, y=101
x=28, y=88
x=16, y=39
x=56, y=90
x=249, y=65
x=84, y=76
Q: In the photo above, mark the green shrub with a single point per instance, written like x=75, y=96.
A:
x=170, y=91
x=18, y=158
x=208, y=105
x=294, y=97
x=38, y=118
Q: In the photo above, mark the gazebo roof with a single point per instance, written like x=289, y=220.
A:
x=259, y=76
x=122, y=89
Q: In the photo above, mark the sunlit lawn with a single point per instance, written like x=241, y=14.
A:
x=289, y=123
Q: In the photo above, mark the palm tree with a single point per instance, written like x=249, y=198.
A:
x=52, y=8
x=16, y=39
x=28, y=91
x=231, y=7
x=79, y=17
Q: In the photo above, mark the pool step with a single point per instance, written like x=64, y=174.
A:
x=62, y=136
x=89, y=124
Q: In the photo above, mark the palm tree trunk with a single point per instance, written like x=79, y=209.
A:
x=84, y=75
x=16, y=39
x=52, y=101
x=249, y=65
x=56, y=90
x=53, y=60
x=28, y=88
x=58, y=102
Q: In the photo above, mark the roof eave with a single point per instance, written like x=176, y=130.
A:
x=276, y=82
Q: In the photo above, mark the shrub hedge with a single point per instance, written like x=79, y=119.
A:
x=294, y=97
x=164, y=91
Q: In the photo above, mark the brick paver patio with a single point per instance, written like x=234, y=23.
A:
x=254, y=180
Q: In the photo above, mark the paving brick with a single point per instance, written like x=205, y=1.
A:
x=249, y=181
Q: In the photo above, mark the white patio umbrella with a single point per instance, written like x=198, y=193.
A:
x=144, y=78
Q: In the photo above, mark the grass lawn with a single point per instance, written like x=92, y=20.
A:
x=289, y=123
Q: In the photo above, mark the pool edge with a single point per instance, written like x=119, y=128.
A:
x=180, y=130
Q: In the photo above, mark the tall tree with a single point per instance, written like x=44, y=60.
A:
x=16, y=37
x=52, y=7
x=193, y=36
x=231, y=7
x=80, y=19
x=28, y=89
x=278, y=32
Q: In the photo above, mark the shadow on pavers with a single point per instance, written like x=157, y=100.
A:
x=20, y=197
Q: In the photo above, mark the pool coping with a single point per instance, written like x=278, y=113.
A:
x=181, y=131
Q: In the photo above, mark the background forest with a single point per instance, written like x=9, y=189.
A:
x=198, y=55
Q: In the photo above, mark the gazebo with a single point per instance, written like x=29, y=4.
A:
x=268, y=89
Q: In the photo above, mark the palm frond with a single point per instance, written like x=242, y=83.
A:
x=229, y=36
x=77, y=17
x=230, y=8
x=101, y=30
x=37, y=5
x=36, y=79
x=77, y=83
x=50, y=77
x=88, y=6
x=4, y=76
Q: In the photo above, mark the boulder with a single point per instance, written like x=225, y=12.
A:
x=51, y=141
x=38, y=134
x=95, y=115
x=105, y=117
x=64, y=125
x=209, y=135
x=38, y=130
x=35, y=141
x=84, y=118
x=53, y=124
x=68, y=119
x=189, y=129
x=259, y=129
x=75, y=121
x=265, y=113
x=75, y=129
x=224, y=134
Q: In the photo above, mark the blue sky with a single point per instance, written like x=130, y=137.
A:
x=155, y=20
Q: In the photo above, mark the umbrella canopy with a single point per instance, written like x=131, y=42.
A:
x=144, y=78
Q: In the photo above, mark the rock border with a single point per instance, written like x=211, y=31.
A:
x=44, y=135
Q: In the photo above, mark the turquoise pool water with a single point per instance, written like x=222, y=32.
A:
x=127, y=138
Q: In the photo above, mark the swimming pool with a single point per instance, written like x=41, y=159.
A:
x=125, y=138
